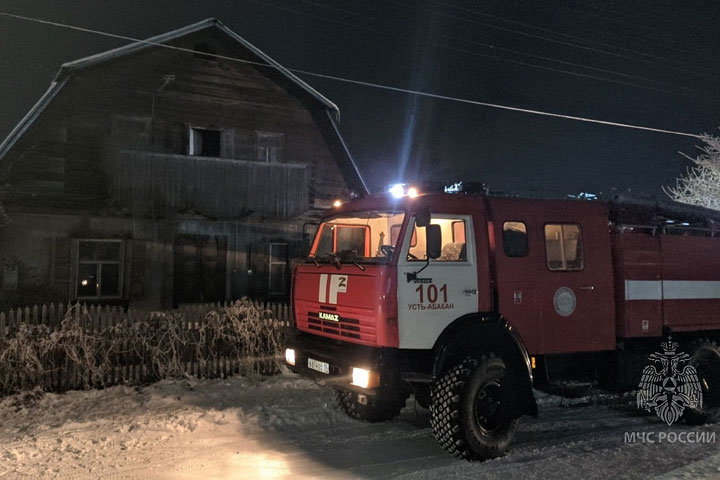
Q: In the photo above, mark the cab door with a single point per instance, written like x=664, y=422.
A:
x=433, y=296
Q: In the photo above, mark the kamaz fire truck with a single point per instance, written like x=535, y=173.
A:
x=462, y=299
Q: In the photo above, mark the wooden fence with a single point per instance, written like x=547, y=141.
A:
x=106, y=315
x=57, y=347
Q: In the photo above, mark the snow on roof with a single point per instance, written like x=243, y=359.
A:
x=66, y=68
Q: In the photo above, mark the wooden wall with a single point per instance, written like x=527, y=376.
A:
x=157, y=185
x=147, y=103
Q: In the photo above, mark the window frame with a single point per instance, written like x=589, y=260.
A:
x=562, y=243
x=280, y=136
x=191, y=140
x=395, y=233
x=469, y=233
x=77, y=262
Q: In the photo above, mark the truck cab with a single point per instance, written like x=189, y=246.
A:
x=389, y=290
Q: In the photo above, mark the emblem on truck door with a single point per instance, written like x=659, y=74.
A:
x=564, y=301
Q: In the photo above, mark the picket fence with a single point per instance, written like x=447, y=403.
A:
x=125, y=364
x=104, y=315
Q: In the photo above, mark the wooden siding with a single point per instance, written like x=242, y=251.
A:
x=148, y=102
x=159, y=184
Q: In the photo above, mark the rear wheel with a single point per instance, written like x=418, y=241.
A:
x=383, y=406
x=469, y=414
x=706, y=360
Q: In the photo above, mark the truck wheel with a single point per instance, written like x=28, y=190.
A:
x=383, y=406
x=467, y=416
x=706, y=360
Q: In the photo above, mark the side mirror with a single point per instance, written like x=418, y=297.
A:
x=433, y=241
x=422, y=216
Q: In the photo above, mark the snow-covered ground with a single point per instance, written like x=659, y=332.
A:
x=284, y=427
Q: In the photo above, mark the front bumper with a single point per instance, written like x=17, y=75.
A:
x=341, y=358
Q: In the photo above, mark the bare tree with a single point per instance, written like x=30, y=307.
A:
x=701, y=184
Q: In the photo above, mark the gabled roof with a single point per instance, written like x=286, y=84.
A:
x=69, y=67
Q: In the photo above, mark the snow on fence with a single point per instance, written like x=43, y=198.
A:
x=57, y=348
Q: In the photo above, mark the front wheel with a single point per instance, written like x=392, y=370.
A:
x=383, y=406
x=469, y=415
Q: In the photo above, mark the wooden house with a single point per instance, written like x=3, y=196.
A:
x=186, y=168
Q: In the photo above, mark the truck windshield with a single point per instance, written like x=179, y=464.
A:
x=364, y=237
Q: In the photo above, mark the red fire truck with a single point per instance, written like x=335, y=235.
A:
x=461, y=300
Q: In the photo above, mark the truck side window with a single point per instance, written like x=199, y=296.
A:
x=395, y=233
x=453, y=241
x=515, y=240
x=563, y=247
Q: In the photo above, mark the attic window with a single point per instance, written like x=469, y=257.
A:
x=205, y=142
x=268, y=147
x=203, y=51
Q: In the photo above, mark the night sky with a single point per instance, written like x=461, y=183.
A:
x=654, y=63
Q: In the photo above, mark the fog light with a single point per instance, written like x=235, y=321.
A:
x=290, y=356
x=364, y=378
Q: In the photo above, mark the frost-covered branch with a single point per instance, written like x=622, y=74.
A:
x=701, y=183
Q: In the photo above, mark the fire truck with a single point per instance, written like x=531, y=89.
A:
x=467, y=301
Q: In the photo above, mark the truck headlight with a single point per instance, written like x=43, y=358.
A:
x=365, y=378
x=290, y=356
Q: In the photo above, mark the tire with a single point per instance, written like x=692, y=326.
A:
x=463, y=421
x=706, y=360
x=382, y=407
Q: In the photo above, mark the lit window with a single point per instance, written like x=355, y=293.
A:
x=454, y=248
x=99, y=269
x=563, y=247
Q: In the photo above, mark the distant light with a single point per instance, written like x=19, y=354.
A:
x=84, y=283
x=337, y=203
x=412, y=192
x=397, y=190
x=456, y=187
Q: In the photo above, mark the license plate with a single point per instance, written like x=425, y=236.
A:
x=318, y=366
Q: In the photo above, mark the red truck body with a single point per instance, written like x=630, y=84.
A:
x=635, y=281
x=433, y=293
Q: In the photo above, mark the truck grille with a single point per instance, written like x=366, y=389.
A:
x=345, y=327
